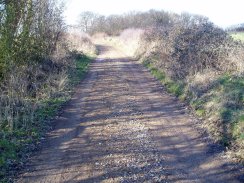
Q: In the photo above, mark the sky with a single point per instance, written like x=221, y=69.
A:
x=223, y=13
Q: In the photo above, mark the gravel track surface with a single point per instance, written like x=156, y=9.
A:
x=121, y=126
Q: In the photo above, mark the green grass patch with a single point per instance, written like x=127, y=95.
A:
x=226, y=115
x=173, y=87
x=200, y=112
x=159, y=75
x=239, y=36
x=7, y=151
x=241, y=118
x=81, y=68
x=49, y=108
x=197, y=103
x=229, y=92
x=233, y=89
x=238, y=128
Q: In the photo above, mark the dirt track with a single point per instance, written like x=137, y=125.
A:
x=121, y=126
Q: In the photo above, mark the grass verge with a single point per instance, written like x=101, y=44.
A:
x=221, y=107
x=176, y=88
x=17, y=145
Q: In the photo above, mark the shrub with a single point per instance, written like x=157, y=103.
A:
x=194, y=53
x=200, y=47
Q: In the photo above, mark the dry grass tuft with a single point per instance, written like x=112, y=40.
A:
x=81, y=42
x=130, y=39
x=100, y=36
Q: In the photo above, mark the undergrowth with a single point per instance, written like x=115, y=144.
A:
x=17, y=144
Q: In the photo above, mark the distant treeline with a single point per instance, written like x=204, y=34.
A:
x=236, y=28
x=113, y=25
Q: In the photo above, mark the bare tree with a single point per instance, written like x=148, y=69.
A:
x=87, y=20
